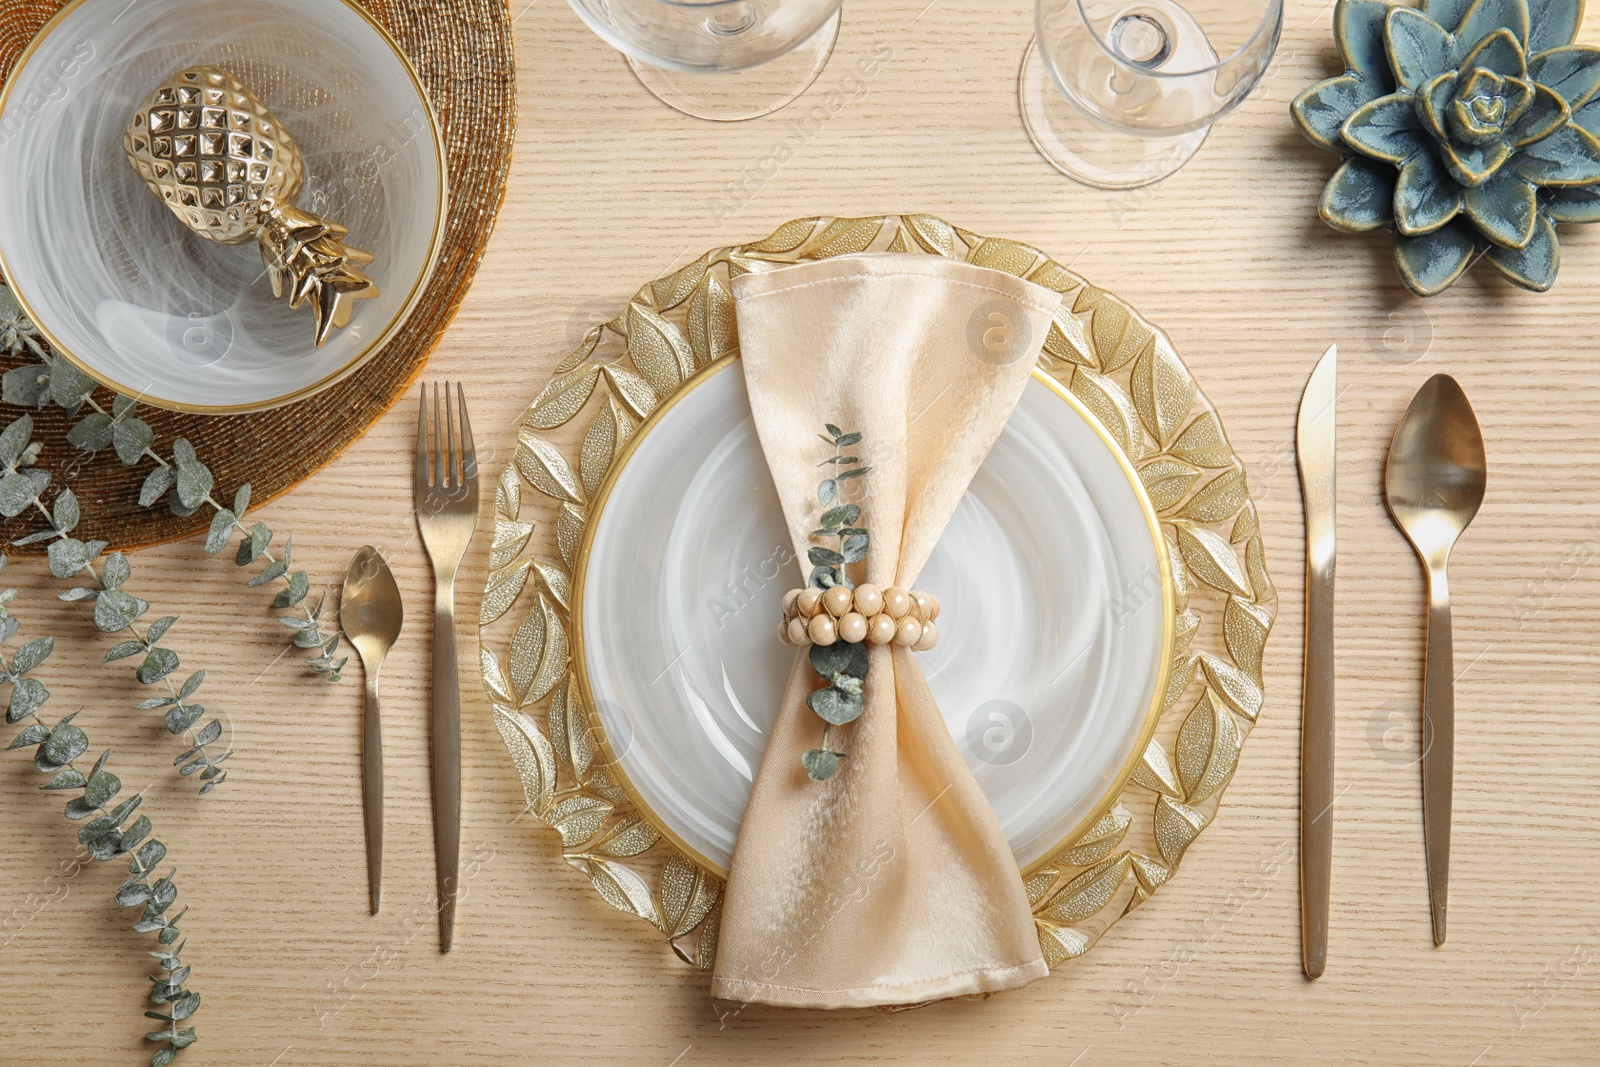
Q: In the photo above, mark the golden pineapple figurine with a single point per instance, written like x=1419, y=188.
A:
x=210, y=149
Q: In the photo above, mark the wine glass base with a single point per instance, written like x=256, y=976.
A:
x=1086, y=151
x=736, y=95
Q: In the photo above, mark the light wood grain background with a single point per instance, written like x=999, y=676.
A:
x=609, y=189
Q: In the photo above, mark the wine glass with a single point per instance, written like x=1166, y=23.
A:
x=723, y=60
x=1121, y=93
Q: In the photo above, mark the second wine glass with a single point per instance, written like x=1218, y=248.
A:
x=723, y=60
x=1121, y=93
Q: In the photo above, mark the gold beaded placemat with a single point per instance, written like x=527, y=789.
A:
x=462, y=49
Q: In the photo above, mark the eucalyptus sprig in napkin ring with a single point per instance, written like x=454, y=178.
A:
x=210, y=149
x=837, y=618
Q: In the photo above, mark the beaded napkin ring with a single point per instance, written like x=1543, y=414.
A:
x=866, y=613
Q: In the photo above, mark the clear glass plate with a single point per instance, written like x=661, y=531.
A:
x=1054, y=631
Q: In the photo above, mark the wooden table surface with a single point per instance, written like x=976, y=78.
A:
x=609, y=189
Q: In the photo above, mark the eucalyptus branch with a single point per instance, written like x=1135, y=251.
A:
x=57, y=749
x=842, y=664
x=115, y=610
x=184, y=482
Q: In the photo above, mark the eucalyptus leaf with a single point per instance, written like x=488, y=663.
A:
x=855, y=548
x=835, y=706
x=270, y=573
x=827, y=492
x=308, y=638
x=190, y=684
x=183, y=716
x=156, y=484
x=131, y=437
x=106, y=846
x=101, y=787
x=132, y=895
x=847, y=440
x=299, y=585
x=64, y=512
x=65, y=744
x=137, y=831
x=69, y=386
x=185, y=1006
x=241, y=500
x=194, y=478
x=149, y=854
x=66, y=778
x=253, y=544
x=39, y=478
x=26, y=386
x=115, y=571
x=126, y=808
x=114, y=610
x=820, y=764
x=829, y=660
x=210, y=734
x=123, y=650
x=32, y=654
x=158, y=663
x=32, y=734
x=27, y=696
x=67, y=557
x=221, y=530
x=14, y=438
x=78, y=809
x=91, y=433
x=857, y=473
x=159, y=628
x=17, y=491
x=83, y=592
x=824, y=557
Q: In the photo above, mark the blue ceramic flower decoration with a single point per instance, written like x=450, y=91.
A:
x=1467, y=127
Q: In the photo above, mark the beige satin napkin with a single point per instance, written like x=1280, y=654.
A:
x=890, y=883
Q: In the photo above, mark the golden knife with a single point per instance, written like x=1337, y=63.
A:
x=1314, y=448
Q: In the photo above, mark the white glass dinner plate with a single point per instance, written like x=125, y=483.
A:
x=124, y=289
x=1055, y=635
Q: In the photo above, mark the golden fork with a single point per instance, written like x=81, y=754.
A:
x=447, y=513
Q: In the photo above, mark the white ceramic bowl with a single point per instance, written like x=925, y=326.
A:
x=120, y=286
x=1055, y=632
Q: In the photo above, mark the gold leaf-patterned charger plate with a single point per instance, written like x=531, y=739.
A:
x=1122, y=373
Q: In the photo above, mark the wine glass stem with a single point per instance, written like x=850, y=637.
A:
x=731, y=20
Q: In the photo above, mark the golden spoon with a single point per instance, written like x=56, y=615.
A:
x=372, y=614
x=1433, y=484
